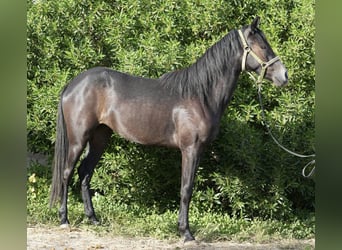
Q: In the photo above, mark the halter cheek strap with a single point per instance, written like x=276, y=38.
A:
x=247, y=50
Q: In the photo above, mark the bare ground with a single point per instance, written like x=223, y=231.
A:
x=54, y=238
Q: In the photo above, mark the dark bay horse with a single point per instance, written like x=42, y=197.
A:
x=181, y=109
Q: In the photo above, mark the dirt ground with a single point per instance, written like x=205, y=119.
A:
x=72, y=239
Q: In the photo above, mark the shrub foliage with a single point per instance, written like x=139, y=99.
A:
x=242, y=173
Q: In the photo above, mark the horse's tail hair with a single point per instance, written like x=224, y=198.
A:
x=60, y=156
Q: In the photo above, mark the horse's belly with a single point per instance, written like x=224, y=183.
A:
x=144, y=126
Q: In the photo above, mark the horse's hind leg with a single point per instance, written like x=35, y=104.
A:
x=97, y=144
x=75, y=150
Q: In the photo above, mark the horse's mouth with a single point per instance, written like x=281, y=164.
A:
x=280, y=82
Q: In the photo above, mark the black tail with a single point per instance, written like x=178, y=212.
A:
x=60, y=157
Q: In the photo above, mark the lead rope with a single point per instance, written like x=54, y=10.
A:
x=313, y=162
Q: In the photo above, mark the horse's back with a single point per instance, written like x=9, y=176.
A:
x=126, y=85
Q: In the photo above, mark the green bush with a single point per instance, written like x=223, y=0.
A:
x=243, y=173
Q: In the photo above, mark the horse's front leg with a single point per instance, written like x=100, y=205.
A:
x=190, y=160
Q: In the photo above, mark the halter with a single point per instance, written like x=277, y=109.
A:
x=247, y=50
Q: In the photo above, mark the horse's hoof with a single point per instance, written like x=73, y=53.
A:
x=189, y=238
x=94, y=221
x=65, y=226
x=191, y=243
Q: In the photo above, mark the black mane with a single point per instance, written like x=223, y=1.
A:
x=198, y=79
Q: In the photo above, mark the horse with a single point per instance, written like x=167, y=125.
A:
x=181, y=109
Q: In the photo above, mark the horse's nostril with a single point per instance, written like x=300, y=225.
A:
x=286, y=77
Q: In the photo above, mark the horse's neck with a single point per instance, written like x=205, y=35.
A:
x=222, y=92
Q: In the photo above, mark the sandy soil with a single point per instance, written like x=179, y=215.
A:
x=70, y=239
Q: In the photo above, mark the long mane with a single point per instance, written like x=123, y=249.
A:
x=199, y=78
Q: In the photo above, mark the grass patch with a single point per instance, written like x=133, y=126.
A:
x=137, y=221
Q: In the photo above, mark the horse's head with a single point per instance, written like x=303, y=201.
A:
x=259, y=57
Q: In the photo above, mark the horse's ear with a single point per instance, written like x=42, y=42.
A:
x=255, y=23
